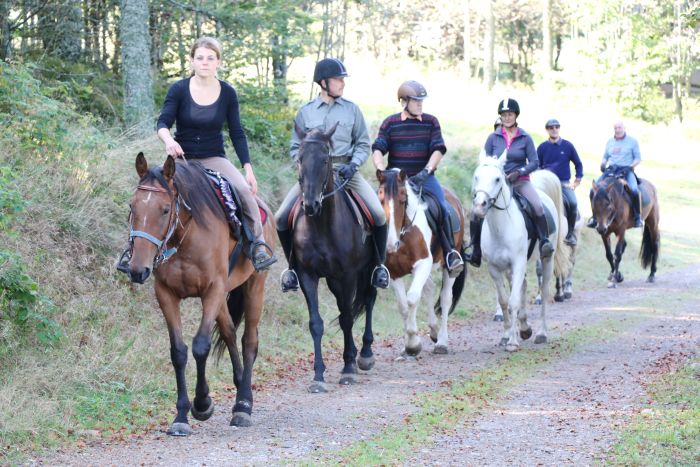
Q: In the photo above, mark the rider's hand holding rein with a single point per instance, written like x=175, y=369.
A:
x=172, y=147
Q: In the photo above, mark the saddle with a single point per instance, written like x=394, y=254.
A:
x=361, y=213
x=529, y=217
x=617, y=172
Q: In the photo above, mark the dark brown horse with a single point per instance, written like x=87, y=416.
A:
x=329, y=242
x=611, y=207
x=180, y=233
x=411, y=250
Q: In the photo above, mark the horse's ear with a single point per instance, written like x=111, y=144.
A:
x=402, y=176
x=380, y=175
x=330, y=132
x=502, y=157
x=482, y=156
x=141, y=165
x=299, y=131
x=595, y=186
x=169, y=168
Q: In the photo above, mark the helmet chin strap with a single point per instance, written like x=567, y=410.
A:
x=408, y=111
x=325, y=88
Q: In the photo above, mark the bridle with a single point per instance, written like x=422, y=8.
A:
x=162, y=254
x=492, y=200
x=329, y=171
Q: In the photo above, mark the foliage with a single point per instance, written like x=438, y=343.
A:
x=22, y=305
x=11, y=202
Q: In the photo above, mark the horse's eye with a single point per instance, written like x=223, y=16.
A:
x=166, y=210
x=498, y=179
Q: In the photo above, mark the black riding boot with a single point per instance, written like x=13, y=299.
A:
x=546, y=248
x=123, y=262
x=288, y=280
x=474, y=258
x=592, y=222
x=380, y=274
x=571, y=221
x=453, y=260
x=637, y=209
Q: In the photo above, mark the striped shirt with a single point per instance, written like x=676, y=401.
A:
x=409, y=141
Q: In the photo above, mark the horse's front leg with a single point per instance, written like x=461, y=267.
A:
x=516, y=303
x=446, y=299
x=309, y=286
x=619, y=251
x=346, y=292
x=538, y=271
x=366, y=359
x=170, y=306
x=547, y=273
x=502, y=299
x=213, y=303
x=608, y=254
x=412, y=344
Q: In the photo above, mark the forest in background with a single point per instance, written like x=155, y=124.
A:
x=81, y=82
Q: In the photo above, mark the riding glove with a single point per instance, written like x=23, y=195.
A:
x=513, y=176
x=419, y=179
x=346, y=171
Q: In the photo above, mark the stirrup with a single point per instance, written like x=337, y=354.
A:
x=123, y=262
x=546, y=249
x=378, y=281
x=262, y=260
x=592, y=223
x=570, y=239
x=471, y=258
x=454, y=263
x=289, y=281
x=638, y=222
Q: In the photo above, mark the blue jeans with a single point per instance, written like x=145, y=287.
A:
x=631, y=181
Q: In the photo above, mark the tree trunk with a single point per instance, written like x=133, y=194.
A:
x=546, y=35
x=5, y=33
x=489, y=34
x=466, y=38
x=136, y=63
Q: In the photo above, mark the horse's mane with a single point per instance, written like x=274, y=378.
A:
x=391, y=183
x=193, y=186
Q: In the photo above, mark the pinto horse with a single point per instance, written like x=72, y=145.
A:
x=328, y=241
x=410, y=250
x=179, y=231
x=612, y=209
x=505, y=243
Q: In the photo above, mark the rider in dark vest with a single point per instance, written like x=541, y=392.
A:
x=521, y=159
x=414, y=142
x=351, y=150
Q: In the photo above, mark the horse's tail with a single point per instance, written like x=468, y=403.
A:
x=457, y=288
x=649, y=252
x=235, y=304
x=550, y=184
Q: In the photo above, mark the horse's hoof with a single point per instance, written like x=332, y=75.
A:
x=241, y=419
x=541, y=339
x=204, y=415
x=347, y=379
x=559, y=298
x=568, y=295
x=538, y=301
x=433, y=336
x=526, y=334
x=619, y=277
x=318, y=387
x=503, y=342
x=179, y=429
x=498, y=318
x=366, y=363
x=610, y=276
x=413, y=351
x=440, y=350
x=651, y=279
x=512, y=347
x=612, y=285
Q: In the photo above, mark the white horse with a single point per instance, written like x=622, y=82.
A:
x=504, y=245
x=409, y=253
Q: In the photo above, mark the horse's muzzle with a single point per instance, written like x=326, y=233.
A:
x=139, y=275
x=602, y=228
x=313, y=208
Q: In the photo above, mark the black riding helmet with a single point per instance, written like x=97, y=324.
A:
x=329, y=68
x=508, y=105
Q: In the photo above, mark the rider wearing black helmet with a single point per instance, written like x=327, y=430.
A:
x=414, y=142
x=521, y=159
x=351, y=150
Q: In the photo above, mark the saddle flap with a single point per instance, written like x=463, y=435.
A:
x=433, y=213
x=529, y=216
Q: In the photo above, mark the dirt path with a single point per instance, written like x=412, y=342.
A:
x=567, y=412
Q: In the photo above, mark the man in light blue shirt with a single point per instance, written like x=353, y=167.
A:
x=622, y=152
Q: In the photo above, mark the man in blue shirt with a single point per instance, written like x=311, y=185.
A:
x=557, y=154
x=622, y=152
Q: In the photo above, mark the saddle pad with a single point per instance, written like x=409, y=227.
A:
x=433, y=213
x=354, y=201
x=526, y=210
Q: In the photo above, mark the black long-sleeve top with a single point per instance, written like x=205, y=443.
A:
x=199, y=127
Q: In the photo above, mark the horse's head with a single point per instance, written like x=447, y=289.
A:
x=394, y=195
x=489, y=183
x=315, y=167
x=603, y=204
x=153, y=216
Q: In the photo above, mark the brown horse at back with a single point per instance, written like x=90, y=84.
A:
x=611, y=207
x=180, y=233
x=411, y=250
